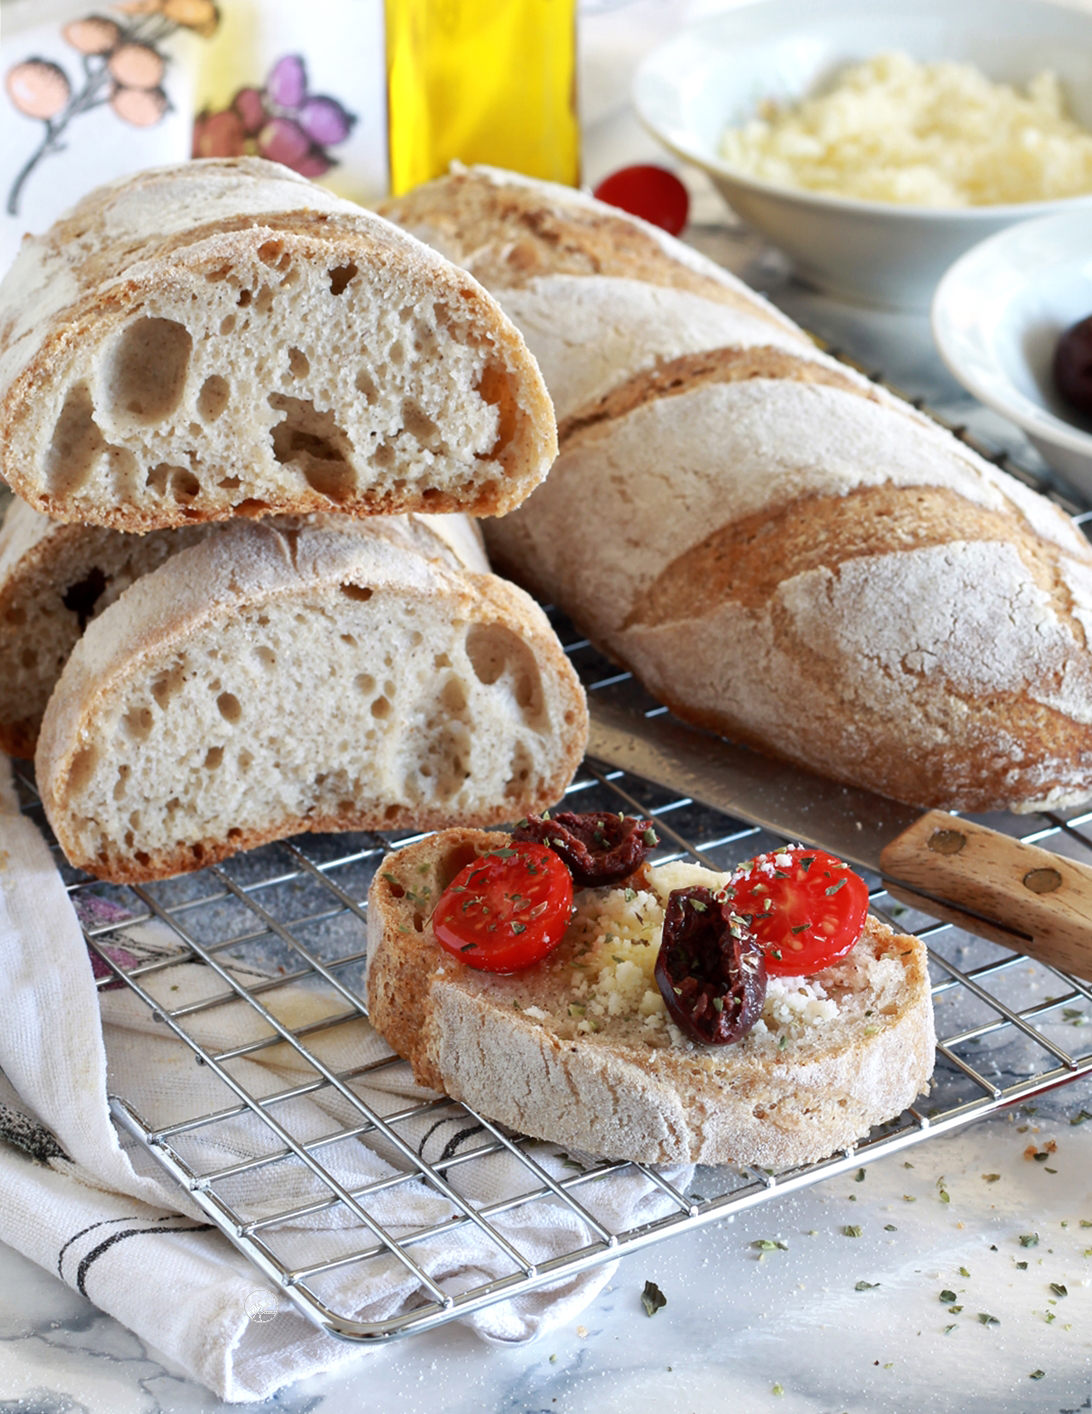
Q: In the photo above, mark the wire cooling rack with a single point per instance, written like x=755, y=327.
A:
x=291, y=915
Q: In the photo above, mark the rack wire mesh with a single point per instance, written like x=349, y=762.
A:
x=287, y=923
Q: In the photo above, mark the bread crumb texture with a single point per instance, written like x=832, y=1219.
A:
x=580, y=1049
x=227, y=339
x=267, y=682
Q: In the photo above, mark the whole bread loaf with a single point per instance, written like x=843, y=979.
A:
x=579, y=1049
x=226, y=338
x=55, y=577
x=274, y=680
x=781, y=551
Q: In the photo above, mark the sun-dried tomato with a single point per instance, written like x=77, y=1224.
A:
x=598, y=847
x=710, y=970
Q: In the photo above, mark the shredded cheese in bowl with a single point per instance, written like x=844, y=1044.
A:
x=935, y=135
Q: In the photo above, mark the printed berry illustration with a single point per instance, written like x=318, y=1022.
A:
x=282, y=121
x=121, y=66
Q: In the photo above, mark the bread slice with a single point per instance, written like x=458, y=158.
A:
x=579, y=1049
x=269, y=681
x=225, y=338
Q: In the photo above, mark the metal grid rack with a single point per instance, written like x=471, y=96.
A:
x=291, y=917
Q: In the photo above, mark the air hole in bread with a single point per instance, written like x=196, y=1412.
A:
x=360, y=592
x=312, y=441
x=227, y=324
x=349, y=639
x=340, y=277
x=392, y=812
x=80, y=598
x=184, y=485
x=252, y=507
x=197, y=850
x=139, y=722
x=299, y=365
x=453, y=696
x=82, y=769
x=122, y=781
x=230, y=483
x=234, y=833
x=270, y=252
x=229, y=707
x=495, y=652
x=264, y=301
x=365, y=682
x=167, y=684
x=518, y=771
x=76, y=445
x=265, y=655
x=246, y=760
x=214, y=397
x=383, y=456
x=142, y=857
x=366, y=384
x=441, y=660
x=244, y=299
x=146, y=376
x=496, y=390
x=419, y=425
x=214, y=757
x=381, y=707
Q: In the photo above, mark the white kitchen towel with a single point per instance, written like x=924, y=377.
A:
x=111, y=1224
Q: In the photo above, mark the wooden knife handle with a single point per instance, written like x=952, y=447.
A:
x=1018, y=886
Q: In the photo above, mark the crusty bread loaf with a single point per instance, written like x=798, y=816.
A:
x=579, y=1049
x=56, y=577
x=269, y=681
x=225, y=338
x=781, y=551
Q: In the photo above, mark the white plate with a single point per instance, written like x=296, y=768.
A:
x=997, y=315
x=714, y=74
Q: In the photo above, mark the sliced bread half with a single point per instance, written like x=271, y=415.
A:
x=225, y=338
x=579, y=1049
x=269, y=681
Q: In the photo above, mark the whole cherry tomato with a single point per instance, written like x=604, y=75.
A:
x=506, y=910
x=805, y=907
x=653, y=193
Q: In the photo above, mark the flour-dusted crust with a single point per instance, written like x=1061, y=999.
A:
x=225, y=338
x=615, y=1093
x=781, y=551
x=274, y=680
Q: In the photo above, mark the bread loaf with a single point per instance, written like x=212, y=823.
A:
x=579, y=1049
x=56, y=577
x=781, y=551
x=225, y=338
x=270, y=680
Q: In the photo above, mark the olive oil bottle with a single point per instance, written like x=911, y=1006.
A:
x=482, y=81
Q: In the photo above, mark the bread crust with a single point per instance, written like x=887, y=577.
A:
x=779, y=550
x=203, y=671
x=468, y=1034
x=183, y=347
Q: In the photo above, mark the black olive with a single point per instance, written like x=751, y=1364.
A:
x=598, y=847
x=710, y=969
x=1073, y=366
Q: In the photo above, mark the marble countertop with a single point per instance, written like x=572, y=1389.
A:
x=820, y=1323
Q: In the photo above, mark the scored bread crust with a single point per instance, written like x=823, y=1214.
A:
x=614, y=1093
x=781, y=551
x=270, y=681
x=226, y=338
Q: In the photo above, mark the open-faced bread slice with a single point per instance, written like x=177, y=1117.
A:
x=579, y=1048
x=269, y=681
x=226, y=338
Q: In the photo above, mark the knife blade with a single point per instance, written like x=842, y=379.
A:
x=954, y=868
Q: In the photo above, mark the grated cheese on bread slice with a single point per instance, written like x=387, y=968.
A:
x=225, y=338
x=580, y=1050
x=271, y=680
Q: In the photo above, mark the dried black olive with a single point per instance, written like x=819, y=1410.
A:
x=1073, y=366
x=598, y=847
x=710, y=970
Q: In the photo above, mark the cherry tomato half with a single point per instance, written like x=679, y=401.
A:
x=653, y=193
x=805, y=907
x=506, y=910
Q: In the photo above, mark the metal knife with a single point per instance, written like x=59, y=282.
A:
x=954, y=868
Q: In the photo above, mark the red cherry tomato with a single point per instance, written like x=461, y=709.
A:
x=805, y=907
x=653, y=193
x=506, y=910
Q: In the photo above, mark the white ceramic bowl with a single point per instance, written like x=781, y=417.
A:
x=714, y=75
x=997, y=315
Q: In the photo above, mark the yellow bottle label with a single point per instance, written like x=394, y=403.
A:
x=482, y=81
